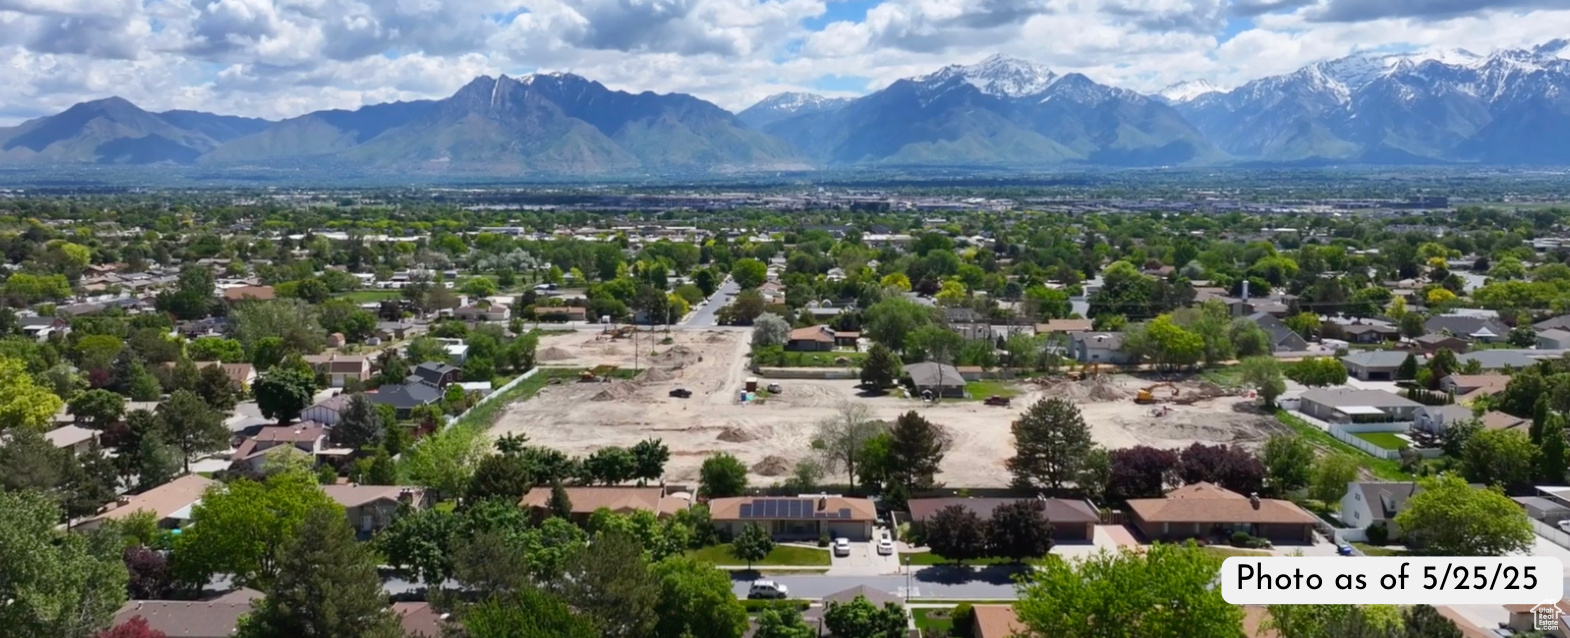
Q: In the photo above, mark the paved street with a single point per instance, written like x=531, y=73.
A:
x=936, y=583
x=704, y=317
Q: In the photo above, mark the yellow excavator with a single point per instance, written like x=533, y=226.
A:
x=1148, y=395
x=1089, y=371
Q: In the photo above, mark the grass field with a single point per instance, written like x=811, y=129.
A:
x=368, y=296
x=929, y=558
x=1372, y=550
x=1387, y=440
x=783, y=555
x=980, y=390
x=936, y=620
x=1227, y=552
x=1228, y=377
x=1387, y=470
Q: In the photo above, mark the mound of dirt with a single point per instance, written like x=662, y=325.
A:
x=1097, y=389
x=616, y=391
x=771, y=466
x=715, y=338
x=733, y=434
x=614, y=351
x=676, y=355
x=553, y=353
x=655, y=375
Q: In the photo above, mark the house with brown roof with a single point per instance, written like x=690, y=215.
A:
x=339, y=368
x=805, y=517
x=1072, y=520
x=371, y=508
x=420, y=620
x=810, y=339
x=215, y=618
x=242, y=374
x=1470, y=387
x=243, y=293
x=619, y=500
x=1207, y=510
x=170, y=503
x=304, y=437
x=997, y=621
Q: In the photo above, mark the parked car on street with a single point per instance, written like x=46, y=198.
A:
x=767, y=589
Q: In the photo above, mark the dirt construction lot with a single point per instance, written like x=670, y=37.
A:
x=771, y=435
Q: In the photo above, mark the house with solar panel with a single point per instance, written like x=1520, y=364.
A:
x=800, y=518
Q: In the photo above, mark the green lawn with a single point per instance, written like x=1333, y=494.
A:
x=980, y=390
x=782, y=555
x=1387, y=470
x=1387, y=440
x=1228, y=377
x=929, y=558
x=936, y=620
x=368, y=296
x=1372, y=550
x=1226, y=552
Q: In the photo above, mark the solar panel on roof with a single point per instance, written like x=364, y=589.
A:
x=800, y=509
x=746, y=510
x=771, y=508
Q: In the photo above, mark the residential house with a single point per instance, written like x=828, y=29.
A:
x=1099, y=347
x=1063, y=326
x=493, y=312
x=1495, y=420
x=340, y=368
x=1282, y=338
x=619, y=500
x=937, y=379
x=962, y=315
x=1375, y=503
x=1206, y=510
x=1374, y=365
x=1482, y=329
x=241, y=374
x=997, y=621
x=305, y=437
x=561, y=313
x=1347, y=406
x=1370, y=332
x=406, y=397
x=801, y=518
x=1492, y=360
x=1470, y=387
x=1553, y=339
x=420, y=620
x=371, y=508
x=1433, y=342
x=243, y=293
x=215, y=618
x=328, y=412
x=336, y=340
x=810, y=339
x=773, y=292
x=813, y=616
x=1435, y=418
x=169, y=503
x=75, y=438
x=1072, y=520
x=398, y=330
x=1561, y=322
x=439, y=375
x=39, y=328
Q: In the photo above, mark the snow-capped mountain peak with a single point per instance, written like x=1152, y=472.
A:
x=1187, y=90
x=794, y=101
x=999, y=75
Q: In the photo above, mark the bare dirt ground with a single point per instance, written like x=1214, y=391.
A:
x=771, y=435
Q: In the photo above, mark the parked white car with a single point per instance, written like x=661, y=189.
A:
x=1564, y=526
x=767, y=589
x=885, y=546
x=841, y=547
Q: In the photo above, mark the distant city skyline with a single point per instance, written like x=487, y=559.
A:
x=281, y=58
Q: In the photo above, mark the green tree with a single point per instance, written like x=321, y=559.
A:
x=242, y=528
x=529, y=613
x=23, y=402
x=841, y=439
x=444, y=461
x=283, y=392
x=1164, y=343
x=915, y=453
x=749, y=273
x=769, y=330
x=956, y=533
x=55, y=584
x=1051, y=442
x=425, y=349
x=882, y=367
x=560, y=504
x=191, y=427
x=1305, y=324
x=327, y=587
x=344, y=317
x=722, y=475
x=1331, y=474
x=1408, y=369
x=1317, y=371
x=1505, y=458
x=1263, y=374
x=490, y=562
x=696, y=601
x=752, y=544
x=1423, y=621
x=360, y=425
x=97, y=409
x=268, y=352
x=217, y=389
x=1289, y=464
x=293, y=321
x=499, y=476
x=1165, y=592
x=1334, y=621
x=892, y=319
x=1019, y=530
x=863, y=619
x=215, y=349
x=419, y=545
x=649, y=457
x=1450, y=518
x=64, y=380
x=782, y=621
x=1551, y=458
x=612, y=585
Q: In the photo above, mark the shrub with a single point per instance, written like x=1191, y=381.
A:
x=755, y=606
x=963, y=621
x=1241, y=539
x=1378, y=534
x=823, y=538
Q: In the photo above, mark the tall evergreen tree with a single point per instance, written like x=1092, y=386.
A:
x=1051, y=441
x=1551, y=457
x=191, y=426
x=360, y=425
x=916, y=451
x=327, y=587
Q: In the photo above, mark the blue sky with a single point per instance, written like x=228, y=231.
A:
x=280, y=58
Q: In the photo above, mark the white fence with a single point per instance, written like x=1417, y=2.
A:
x=1358, y=428
x=1550, y=532
x=494, y=393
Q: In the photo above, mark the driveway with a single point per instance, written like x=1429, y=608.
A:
x=863, y=561
x=246, y=415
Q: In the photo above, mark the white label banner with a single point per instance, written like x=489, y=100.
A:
x=1382, y=580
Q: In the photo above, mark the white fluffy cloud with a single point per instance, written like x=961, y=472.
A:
x=279, y=58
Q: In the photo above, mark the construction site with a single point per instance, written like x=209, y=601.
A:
x=727, y=408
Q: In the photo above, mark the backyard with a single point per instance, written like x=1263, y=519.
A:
x=1384, y=469
x=1387, y=440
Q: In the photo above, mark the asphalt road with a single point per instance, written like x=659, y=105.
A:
x=704, y=317
x=931, y=583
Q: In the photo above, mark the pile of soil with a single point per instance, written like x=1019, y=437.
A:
x=1098, y=389
x=771, y=466
x=655, y=375
x=553, y=353
x=614, y=351
x=616, y=391
x=733, y=434
x=715, y=338
x=676, y=355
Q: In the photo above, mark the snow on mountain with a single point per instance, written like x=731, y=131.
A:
x=782, y=105
x=1187, y=90
x=999, y=75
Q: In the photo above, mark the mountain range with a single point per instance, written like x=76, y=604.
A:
x=1508, y=107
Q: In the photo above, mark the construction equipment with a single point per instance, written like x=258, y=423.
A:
x=998, y=400
x=587, y=376
x=1089, y=370
x=1147, y=395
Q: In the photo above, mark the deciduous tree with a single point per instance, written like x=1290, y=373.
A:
x=63, y=584
x=881, y=368
x=1450, y=518
x=956, y=533
x=696, y=601
x=752, y=544
x=191, y=427
x=841, y=439
x=1289, y=462
x=1163, y=592
x=530, y=613
x=327, y=587
x=1499, y=457
x=612, y=585
x=1140, y=472
x=1019, y=530
x=240, y=529
x=1263, y=374
x=1331, y=474
x=861, y=618
x=283, y=392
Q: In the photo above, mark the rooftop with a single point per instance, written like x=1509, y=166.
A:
x=1209, y=503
